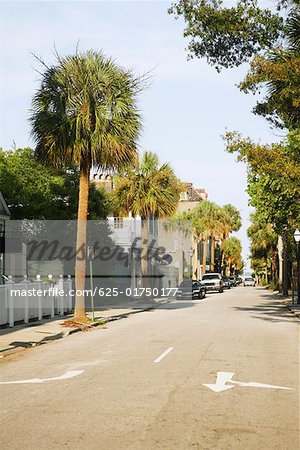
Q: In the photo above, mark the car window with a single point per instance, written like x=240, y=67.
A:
x=210, y=277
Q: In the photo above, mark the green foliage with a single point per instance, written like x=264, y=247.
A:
x=232, y=253
x=212, y=220
x=227, y=36
x=85, y=113
x=234, y=217
x=273, y=177
x=273, y=285
x=230, y=36
x=263, y=244
x=147, y=188
x=261, y=233
x=35, y=191
x=279, y=71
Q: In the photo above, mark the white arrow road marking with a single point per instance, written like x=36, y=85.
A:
x=165, y=353
x=226, y=377
x=222, y=379
x=64, y=376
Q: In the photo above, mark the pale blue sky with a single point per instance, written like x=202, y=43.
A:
x=186, y=109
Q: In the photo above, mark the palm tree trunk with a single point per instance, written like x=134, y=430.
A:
x=273, y=271
x=229, y=267
x=144, y=248
x=81, y=247
x=204, y=256
x=212, y=255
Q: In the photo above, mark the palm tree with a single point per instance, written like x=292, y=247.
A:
x=232, y=250
x=149, y=190
x=84, y=114
x=263, y=243
x=206, y=224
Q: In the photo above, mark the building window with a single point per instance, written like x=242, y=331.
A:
x=118, y=222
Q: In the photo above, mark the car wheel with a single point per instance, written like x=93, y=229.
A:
x=220, y=291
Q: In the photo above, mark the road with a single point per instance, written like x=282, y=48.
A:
x=140, y=382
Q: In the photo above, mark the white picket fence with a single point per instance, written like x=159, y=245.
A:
x=26, y=300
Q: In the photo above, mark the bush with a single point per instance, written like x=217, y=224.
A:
x=273, y=285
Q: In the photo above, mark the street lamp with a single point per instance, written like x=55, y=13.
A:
x=191, y=261
x=297, y=239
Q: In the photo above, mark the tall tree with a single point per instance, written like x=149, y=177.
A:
x=278, y=73
x=263, y=246
x=207, y=220
x=227, y=36
x=232, y=253
x=36, y=191
x=84, y=114
x=149, y=190
x=211, y=221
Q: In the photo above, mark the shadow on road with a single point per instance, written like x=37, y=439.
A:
x=272, y=311
x=27, y=344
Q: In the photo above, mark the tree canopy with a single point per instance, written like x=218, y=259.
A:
x=273, y=177
x=228, y=36
x=36, y=191
x=147, y=188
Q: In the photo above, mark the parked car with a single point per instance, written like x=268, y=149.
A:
x=232, y=280
x=239, y=280
x=249, y=281
x=213, y=282
x=190, y=289
x=226, y=283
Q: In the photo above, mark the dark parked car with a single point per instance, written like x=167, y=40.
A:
x=190, y=289
x=226, y=283
x=232, y=280
x=239, y=280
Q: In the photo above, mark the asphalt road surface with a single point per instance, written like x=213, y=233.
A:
x=140, y=382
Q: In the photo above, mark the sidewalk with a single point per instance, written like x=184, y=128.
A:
x=21, y=337
x=293, y=307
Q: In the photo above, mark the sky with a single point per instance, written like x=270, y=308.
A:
x=186, y=108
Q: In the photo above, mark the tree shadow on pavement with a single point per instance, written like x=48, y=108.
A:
x=27, y=344
x=271, y=311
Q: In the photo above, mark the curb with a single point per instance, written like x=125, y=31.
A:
x=102, y=321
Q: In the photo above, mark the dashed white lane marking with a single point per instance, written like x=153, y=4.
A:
x=64, y=376
x=165, y=353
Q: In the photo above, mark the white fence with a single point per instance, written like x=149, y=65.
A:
x=26, y=300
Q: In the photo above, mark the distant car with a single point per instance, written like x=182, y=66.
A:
x=190, y=289
x=226, y=283
x=232, y=280
x=249, y=281
x=239, y=280
x=213, y=282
